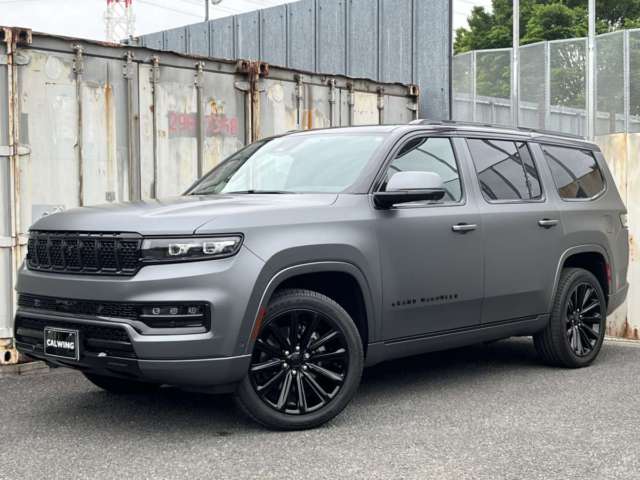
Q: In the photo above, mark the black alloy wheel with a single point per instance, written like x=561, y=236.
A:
x=306, y=362
x=300, y=362
x=583, y=319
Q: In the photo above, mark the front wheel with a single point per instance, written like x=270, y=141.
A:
x=575, y=333
x=306, y=364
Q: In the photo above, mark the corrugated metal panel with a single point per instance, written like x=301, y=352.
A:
x=222, y=38
x=396, y=41
x=154, y=41
x=247, y=36
x=301, y=35
x=273, y=35
x=6, y=193
x=199, y=39
x=404, y=41
x=332, y=49
x=363, y=39
x=175, y=40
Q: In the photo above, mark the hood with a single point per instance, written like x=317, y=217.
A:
x=176, y=215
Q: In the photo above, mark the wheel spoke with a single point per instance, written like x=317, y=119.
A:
x=302, y=398
x=267, y=348
x=336, y=377
x=293, y=329
x=266, y=365
x=338, y=354
x=272, y=382
x=590, y=307
x=587, y=294
x=596, y=318
x=308, y=331
x=590, y=332
x=576, y=334
x=321, y=341
x=584, y=340
x=282, y=340
x=284, y=391
x=315, y=386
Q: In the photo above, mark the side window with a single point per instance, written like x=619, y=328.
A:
x=505, y=169
x=575, y=172
x=430, y=154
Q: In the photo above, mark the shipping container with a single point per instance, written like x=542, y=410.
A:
x=85, y=123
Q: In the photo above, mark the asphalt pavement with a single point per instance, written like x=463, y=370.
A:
x=485, y=412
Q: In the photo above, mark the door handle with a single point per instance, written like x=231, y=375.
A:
x=548, y=223
x=464, y=227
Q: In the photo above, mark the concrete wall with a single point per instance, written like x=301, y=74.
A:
x=406, y=41
x=623, y=155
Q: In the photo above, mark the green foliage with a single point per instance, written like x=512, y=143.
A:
x=554, y=20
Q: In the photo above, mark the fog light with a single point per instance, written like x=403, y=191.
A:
x=174, y=316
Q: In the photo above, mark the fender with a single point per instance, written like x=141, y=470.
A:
x=256, y=313
x=588, y=248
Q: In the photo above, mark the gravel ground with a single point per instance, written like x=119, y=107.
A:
x=485, y=412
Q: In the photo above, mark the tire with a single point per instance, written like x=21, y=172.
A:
x=326, y=368
x=120, y=385
x=576, y=329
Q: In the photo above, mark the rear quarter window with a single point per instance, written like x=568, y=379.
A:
x=575, y=172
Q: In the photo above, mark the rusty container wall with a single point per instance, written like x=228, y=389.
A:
x=6, y=200
x=292, y=100
x=622, y=152
x=86, y=123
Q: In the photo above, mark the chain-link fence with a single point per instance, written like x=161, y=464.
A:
x=553, y=85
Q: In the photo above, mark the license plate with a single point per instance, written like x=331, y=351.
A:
x=61, y=343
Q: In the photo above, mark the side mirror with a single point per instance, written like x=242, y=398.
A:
x=407, y=187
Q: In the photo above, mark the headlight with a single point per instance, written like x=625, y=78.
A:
x=190, y=248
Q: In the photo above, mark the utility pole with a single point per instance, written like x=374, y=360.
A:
x=515, y=65
x=208, y=4
x=119, y=20
x=591, y=72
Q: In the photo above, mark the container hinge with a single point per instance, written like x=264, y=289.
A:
x=127, y=69
x=155, y=69
x=78, y=63
x=11, y=151
x=11, y=242
x=199, y=76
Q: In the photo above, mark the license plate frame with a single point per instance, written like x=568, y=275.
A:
x=56, y=334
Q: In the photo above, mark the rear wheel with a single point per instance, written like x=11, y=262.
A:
x=120, y=385
x=575, y=333
x=306, y=364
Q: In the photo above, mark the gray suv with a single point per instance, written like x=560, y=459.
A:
x=305, y=257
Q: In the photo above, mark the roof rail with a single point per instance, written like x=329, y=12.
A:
x=456, y=123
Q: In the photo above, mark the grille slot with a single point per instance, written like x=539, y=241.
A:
x=88, y=253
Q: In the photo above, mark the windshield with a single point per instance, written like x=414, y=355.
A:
x=317, y=163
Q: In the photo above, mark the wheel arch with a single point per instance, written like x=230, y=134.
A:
x=588, y=258
x=307, y=273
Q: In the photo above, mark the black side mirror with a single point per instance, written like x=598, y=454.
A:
x=407, y=187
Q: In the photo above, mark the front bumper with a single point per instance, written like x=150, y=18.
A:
x=217, y=356
x=113, y=355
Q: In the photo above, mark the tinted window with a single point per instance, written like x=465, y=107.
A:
x=575, y=172
x=505, y=169
x=426, y=154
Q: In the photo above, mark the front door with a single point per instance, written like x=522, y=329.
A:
x=431, y=253
x=522, y=232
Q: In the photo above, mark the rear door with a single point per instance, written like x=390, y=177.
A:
x=522, y=230
x=432, y=274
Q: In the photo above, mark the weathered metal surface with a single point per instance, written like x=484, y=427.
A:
x=84, y=123
x=623, y=155
x=405, y=41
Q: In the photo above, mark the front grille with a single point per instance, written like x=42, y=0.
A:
x=95, y=339
x=79, y=307
x=84, y=253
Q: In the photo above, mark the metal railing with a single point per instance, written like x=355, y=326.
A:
x=553, y=85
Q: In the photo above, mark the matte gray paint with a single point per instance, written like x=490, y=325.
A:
x=495, y=281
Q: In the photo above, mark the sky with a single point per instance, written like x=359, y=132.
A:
x=85, y=18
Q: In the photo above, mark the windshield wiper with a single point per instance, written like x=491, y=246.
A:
x=266, y=192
